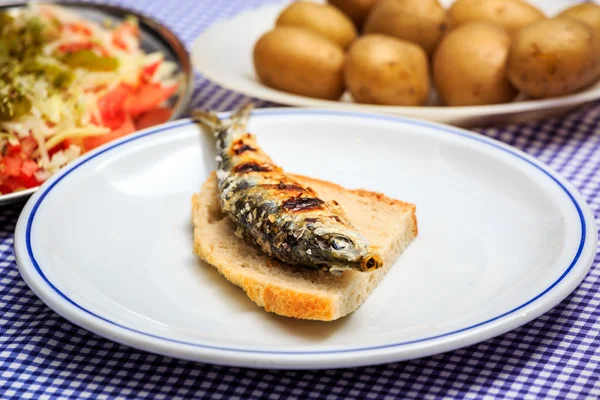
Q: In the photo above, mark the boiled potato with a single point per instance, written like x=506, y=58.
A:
x=588, y=13
x=384, y=70
x=300, y=61
x=356, y=10
x=511, y=14
x=554, y=57
x=419, y=21
x=469, y=66
x=320, y=18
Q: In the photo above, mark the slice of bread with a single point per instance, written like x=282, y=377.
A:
x=294, y=291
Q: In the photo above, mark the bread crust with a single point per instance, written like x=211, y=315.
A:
x=292, y=291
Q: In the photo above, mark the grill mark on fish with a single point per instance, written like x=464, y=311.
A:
x=283, y=187
x=302, y=204
x=288, y=186
x=252, y=166
x=243, y=148
x=239, y=147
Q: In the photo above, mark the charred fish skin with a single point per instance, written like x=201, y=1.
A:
x=274, y=212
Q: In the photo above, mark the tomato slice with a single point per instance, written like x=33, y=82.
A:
x=13, y=148
x=28, y=181
x=28, y=168
x=126, y=128
x=11, y=184
x=149, y=70
x=75, y=47
x=153, y=117
x=19, y=182
x=120, y=43
x=146, y=97
x=122, y=31
x=111, y=106
x=11, y=165
x=78, y=27
x=17, y=169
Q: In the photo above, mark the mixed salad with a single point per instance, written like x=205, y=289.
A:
x=68, y=85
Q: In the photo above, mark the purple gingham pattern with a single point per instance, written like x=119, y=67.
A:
x=43, y=356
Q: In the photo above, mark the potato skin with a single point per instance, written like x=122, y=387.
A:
x=513, y=15
x=588, y=13
x=320, y=18
x=387, y=71
x=554, y=57
x=356, y=10
x=469, y=66
x=300, y=61
x=419, y=21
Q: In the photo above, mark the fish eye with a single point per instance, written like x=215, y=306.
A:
x=339, y=243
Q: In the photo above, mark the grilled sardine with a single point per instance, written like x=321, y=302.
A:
x=274, y=212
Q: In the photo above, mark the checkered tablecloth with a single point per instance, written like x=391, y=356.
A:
x=556, y=356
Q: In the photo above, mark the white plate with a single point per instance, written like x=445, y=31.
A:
x=107, y=243
x=223, y=54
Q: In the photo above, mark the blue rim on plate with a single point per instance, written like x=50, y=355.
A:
x=45, y=190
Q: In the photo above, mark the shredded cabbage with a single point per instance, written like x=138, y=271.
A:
x=55, y=83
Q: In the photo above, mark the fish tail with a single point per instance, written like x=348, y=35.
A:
x=210, y=119
x=226, y=131
x=241, y=116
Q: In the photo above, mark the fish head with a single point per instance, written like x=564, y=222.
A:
x=346, y=251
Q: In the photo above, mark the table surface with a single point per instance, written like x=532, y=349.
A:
x=556, y=356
